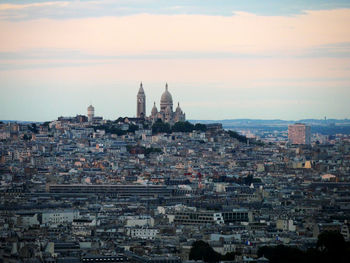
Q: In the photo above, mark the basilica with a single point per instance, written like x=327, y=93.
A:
x=165, y=113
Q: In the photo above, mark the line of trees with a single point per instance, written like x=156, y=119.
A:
x=201, y=250
x=157, y=127
x=330, y=247
x=236, y=135
x=113, y=129
x=181, y=126
x=242, y=138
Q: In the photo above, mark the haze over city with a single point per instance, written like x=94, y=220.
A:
x=221, y=59
x=185, y=131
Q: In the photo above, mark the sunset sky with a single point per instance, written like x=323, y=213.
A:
x=222, y=59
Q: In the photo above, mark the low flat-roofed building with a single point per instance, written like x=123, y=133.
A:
x=211, y=217
x=121, y=190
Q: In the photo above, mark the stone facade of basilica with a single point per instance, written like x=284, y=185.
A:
x=165, y=113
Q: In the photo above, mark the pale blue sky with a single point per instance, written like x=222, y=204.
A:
x=88, y=8
x=222, y=59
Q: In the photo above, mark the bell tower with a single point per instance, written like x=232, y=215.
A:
x=141, y=103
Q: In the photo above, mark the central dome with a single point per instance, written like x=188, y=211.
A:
x=166, y=96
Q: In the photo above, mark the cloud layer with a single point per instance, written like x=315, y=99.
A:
x=242, y=65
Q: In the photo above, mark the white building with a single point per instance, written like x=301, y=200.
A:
x=285, y=225
x=83, y=226
x=58, y=217
x=143, y=233
x=28, y=219
x=91, y=113
x=140, y=221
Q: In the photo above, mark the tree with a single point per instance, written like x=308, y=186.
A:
x=332, y=245
x=248, y=180
x=27, y=137
x=229, y=256
x=160, y=127
x=120, y=119
x=33, y=128
x=200, y=127
x=235, y=135
x=330, y=242
x=133, y=128
x=111, y=129
x=282, y=254
x=201, y=250
x=46, y=124
x=152, y=150
x=182, y=126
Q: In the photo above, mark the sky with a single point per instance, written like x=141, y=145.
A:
x=222, y=59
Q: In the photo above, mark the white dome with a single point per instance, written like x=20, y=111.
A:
x=166, y=96
x=154, y=109
x=178, y=109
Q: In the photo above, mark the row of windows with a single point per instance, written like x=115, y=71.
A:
x=194, y=221
x=102, y=259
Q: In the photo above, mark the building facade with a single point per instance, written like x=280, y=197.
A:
x=121, y=190
x=90, y=113
x=299, y=133
x=210, y=217
x=166, y=112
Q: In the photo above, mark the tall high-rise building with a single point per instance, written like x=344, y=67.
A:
x=141, y=103
x=91, y=113
x=299, y=133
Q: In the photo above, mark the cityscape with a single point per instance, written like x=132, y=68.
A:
x=234, y=147
x=144, y=189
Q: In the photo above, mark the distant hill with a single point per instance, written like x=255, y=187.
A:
x=276, y=122
x=325, y=127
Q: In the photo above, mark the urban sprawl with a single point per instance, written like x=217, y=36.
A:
x=159, y=189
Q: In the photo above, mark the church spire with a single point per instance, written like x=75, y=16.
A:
x=141, y=88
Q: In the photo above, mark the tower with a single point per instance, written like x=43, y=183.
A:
x=91, y=113
x=299, y=133
x=141, y=103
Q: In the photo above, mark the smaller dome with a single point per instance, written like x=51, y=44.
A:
x=91, y=108
x=166, y=96
x=178, y=109
x=154, y=109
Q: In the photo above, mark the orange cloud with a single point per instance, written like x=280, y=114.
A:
x=140, y=34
